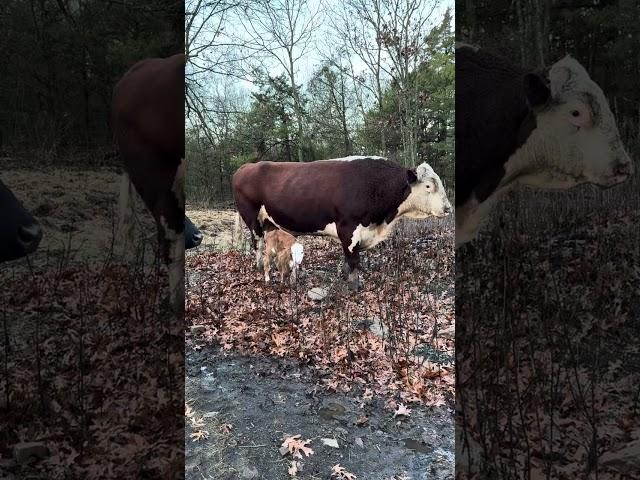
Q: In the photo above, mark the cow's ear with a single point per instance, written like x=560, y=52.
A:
x=412, y=176
x=537, y=90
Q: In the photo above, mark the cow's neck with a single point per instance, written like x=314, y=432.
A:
x=473, y=214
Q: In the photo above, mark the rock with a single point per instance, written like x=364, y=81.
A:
x=358, y=441
x=330, y=442
x=317, y=294
x=209, y=383
x=249, y=473
x=27, y=452
x=197, y=329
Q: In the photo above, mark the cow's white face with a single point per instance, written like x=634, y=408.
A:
x=576, y=140
x=428, y=198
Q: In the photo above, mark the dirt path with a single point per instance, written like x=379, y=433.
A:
x=77, y=210
x=215, y=225
x=249, y=405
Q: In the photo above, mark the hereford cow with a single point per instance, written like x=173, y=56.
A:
x=20, y=233
x=357, y=201
x=148, y=124
x=286, y=251
x=549, y=129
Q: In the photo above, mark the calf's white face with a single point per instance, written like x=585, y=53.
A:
x=428, y=197
x=576, y=139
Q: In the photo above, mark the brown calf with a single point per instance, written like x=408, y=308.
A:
x=288, y=254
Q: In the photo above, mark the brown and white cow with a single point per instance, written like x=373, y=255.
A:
x=551, y=128
x=20, y=233
x=357, y=200
x=286, y=251
x=148, y=124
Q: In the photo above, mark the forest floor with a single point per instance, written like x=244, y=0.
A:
x=548, y=337
x=92, y=363
x=364, y=381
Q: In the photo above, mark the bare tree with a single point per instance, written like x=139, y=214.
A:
x=359, y=25
x=388, y=36
x=281, y=31
x=403, y=37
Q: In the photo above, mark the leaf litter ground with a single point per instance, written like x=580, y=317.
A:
x=282, y=357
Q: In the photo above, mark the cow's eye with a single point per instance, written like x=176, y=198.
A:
x=575, y=113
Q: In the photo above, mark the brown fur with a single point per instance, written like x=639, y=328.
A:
x=278, y=245
x=148, y=124
x=493, y=119
x=303, y=198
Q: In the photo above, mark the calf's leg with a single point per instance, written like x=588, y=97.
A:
x=266, y=261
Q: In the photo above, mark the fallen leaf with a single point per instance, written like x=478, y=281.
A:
x=402, y=411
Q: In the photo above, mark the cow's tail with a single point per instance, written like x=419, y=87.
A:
x=126, y=212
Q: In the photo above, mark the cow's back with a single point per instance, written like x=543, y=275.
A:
x=490, y=111
x=305, y=197
x=148, y=105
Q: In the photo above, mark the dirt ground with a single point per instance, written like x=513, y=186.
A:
x=215, y=225
x=245, y=397
x=77, y=210
x=249, y=405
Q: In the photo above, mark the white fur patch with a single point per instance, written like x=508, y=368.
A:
x=297, y=253
x=351, y=158
x=330, y=230
x=263, y=215
x=371, y=235
x=471, y=216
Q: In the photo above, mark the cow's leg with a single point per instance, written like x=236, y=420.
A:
x=351, y=255
x=172, y=250
x=166, y=202
x=249, y=215
x=353, y=264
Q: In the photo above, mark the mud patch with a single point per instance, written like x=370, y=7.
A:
x=248, y=405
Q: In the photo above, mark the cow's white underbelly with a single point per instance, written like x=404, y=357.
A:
x=369, y=236
x=363, y=237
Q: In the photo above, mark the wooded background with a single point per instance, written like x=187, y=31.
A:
x=300, y=80
x=61, y=59
x=603, y=35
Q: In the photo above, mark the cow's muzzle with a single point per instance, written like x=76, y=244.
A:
x=29, y=237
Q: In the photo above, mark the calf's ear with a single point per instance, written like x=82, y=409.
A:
x=536, y=89
x=412, y=176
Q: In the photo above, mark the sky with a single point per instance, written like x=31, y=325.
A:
x=320, y=47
